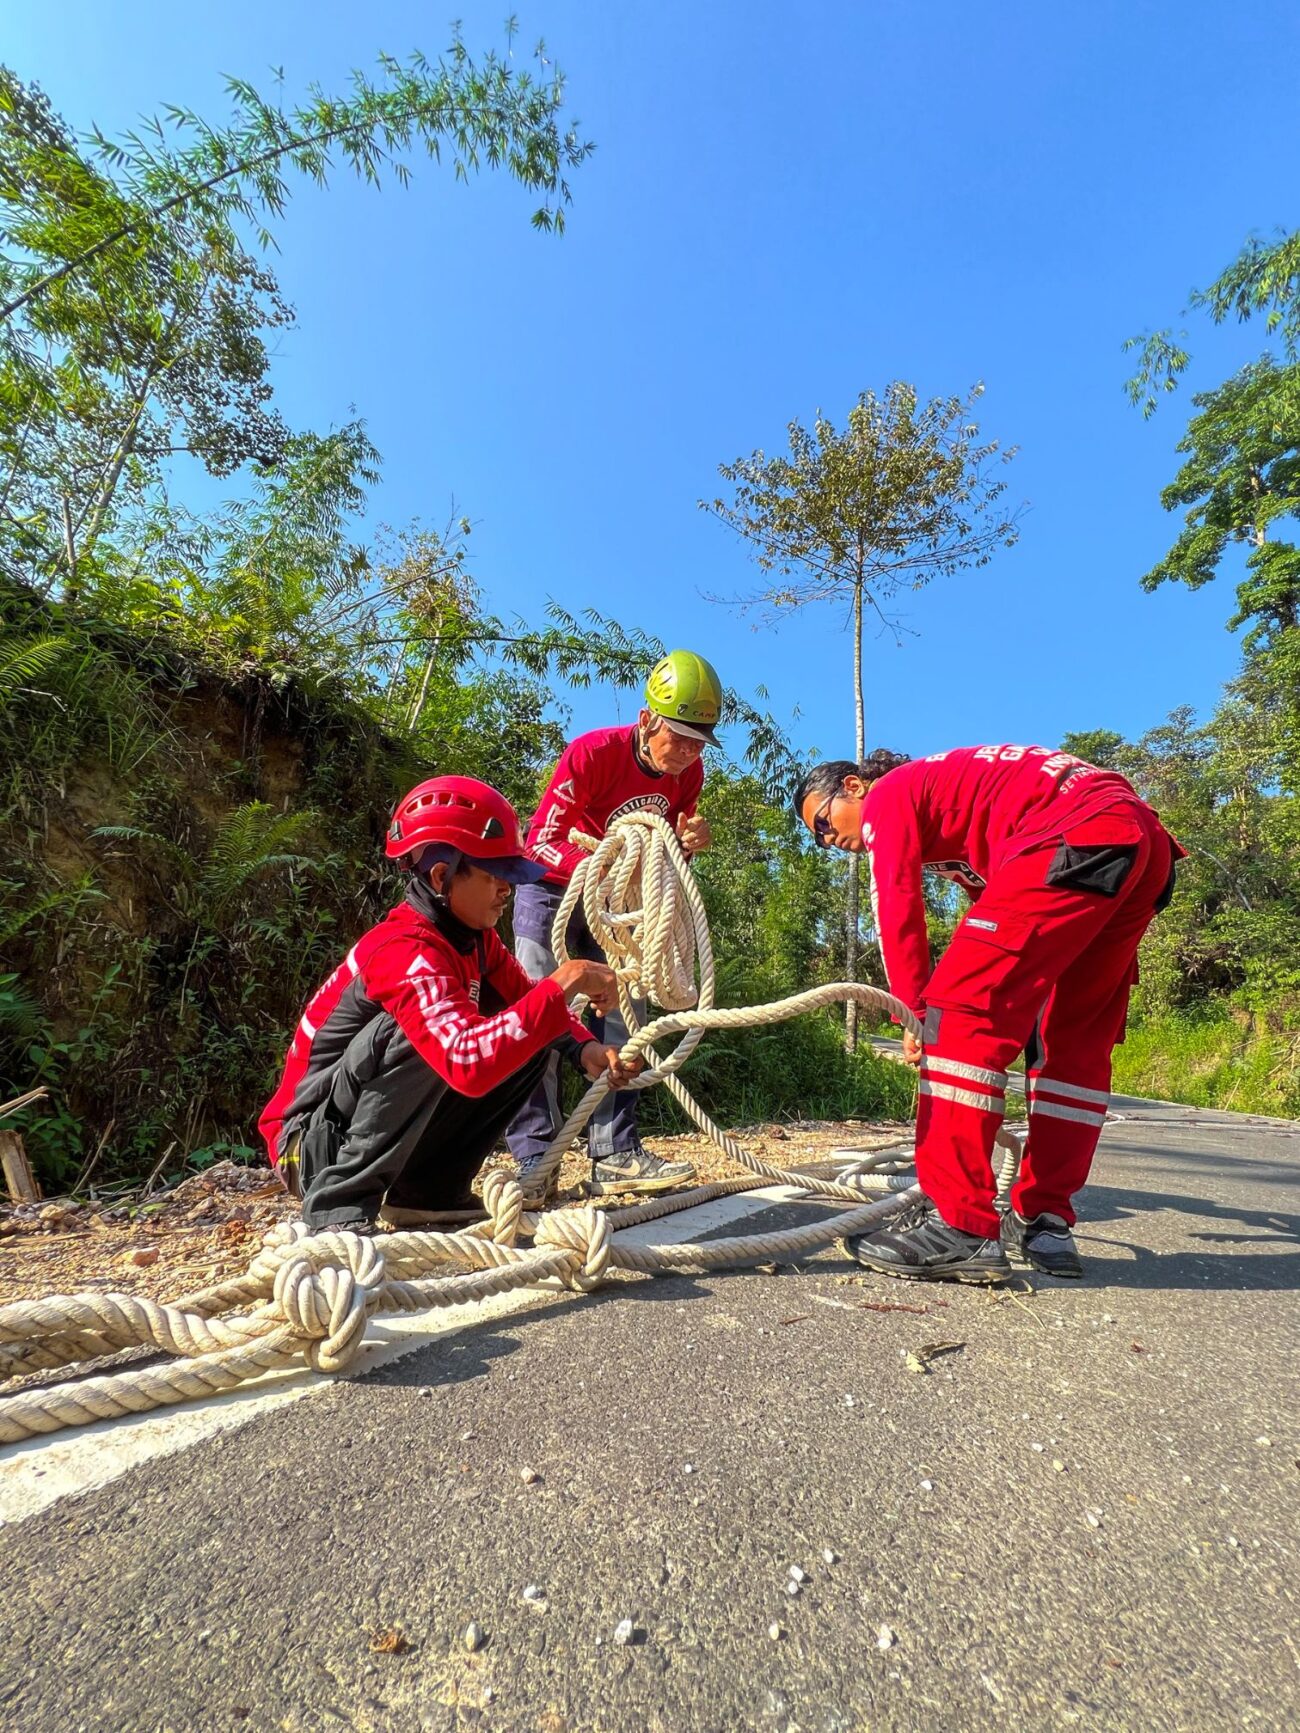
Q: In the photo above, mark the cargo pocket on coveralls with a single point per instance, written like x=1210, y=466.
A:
x=1098, y=867
x=976, y=971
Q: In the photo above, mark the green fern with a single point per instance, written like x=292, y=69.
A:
x=178, y=856
x=20, y=1015
x=252, y=840
x=66, y=901
x=25, y=660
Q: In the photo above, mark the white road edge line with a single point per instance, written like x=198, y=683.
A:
x=37, y=1473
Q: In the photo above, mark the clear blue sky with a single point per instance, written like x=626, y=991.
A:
x=788, y=204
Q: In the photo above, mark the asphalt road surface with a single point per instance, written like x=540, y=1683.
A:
x=1084, y=1516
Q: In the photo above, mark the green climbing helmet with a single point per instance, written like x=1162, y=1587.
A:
x=685, y=690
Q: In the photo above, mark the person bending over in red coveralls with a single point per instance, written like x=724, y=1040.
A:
x=413, y=1056
x=1067, y=866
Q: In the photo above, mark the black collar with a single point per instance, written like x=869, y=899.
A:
x=420, y=896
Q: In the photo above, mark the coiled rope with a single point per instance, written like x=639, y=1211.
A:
x=307, y=1297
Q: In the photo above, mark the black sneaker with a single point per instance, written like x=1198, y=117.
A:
x=920, y=1245
x=1045, y=1243
x=638, y=1170
x=366, y=1230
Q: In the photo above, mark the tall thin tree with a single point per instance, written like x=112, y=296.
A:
x=904, y=493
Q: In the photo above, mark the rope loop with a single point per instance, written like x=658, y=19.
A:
x=503, y=1199
x=641, y=906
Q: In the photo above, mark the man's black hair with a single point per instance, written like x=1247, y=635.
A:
x=828, y=778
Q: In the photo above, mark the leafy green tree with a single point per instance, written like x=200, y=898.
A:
x=1234, y=925
x=904, y=493
x=133, y=317
x=1239, y=486
x=1100, y=746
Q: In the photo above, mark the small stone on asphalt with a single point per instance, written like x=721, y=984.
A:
x=793, y=1587
x=529, y=1476
x=533, y=1593
x=775, y=1631
x=799, y=1574
x=474, y=1636
x=830, y=1555
x=885, y=1638
x=624, y=1631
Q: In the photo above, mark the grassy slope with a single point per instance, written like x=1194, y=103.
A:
x=1211, y=1061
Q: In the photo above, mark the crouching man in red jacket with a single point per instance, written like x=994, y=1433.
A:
x=417, y=1051
x=1066, y=866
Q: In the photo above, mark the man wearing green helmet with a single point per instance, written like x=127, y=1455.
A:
x=654, y=764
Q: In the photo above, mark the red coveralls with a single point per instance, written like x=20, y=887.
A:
x=1074, y=866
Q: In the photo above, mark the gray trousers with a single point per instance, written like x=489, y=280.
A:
x=612, y=1128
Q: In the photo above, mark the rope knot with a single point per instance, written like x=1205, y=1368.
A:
x=503, y=1199
x=326, y=1291
x=586, y=1234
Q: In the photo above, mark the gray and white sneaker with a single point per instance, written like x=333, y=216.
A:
x=1044, y=1242
x=638, y=1170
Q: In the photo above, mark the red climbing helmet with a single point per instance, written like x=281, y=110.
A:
x=461, y=813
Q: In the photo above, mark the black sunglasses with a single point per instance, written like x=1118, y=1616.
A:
x=822, y=828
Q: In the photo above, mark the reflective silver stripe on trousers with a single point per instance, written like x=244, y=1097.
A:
x=963, y=1097
x=1039, y=1109
x=958, y=1068
x=1073, y=1091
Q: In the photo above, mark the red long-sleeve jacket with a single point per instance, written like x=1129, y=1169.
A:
x=414, y=971
x=597, y=780
x=977, y=806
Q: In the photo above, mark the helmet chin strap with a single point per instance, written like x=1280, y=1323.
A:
x=453, y=867
x=644, y=731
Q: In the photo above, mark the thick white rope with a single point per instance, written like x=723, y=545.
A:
x=643, y=907
x=308, y=1297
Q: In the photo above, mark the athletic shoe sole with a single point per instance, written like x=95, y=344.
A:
x=1045, y=1269
x=644, y=1187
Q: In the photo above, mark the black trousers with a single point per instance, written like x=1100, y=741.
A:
x=390, y=1125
